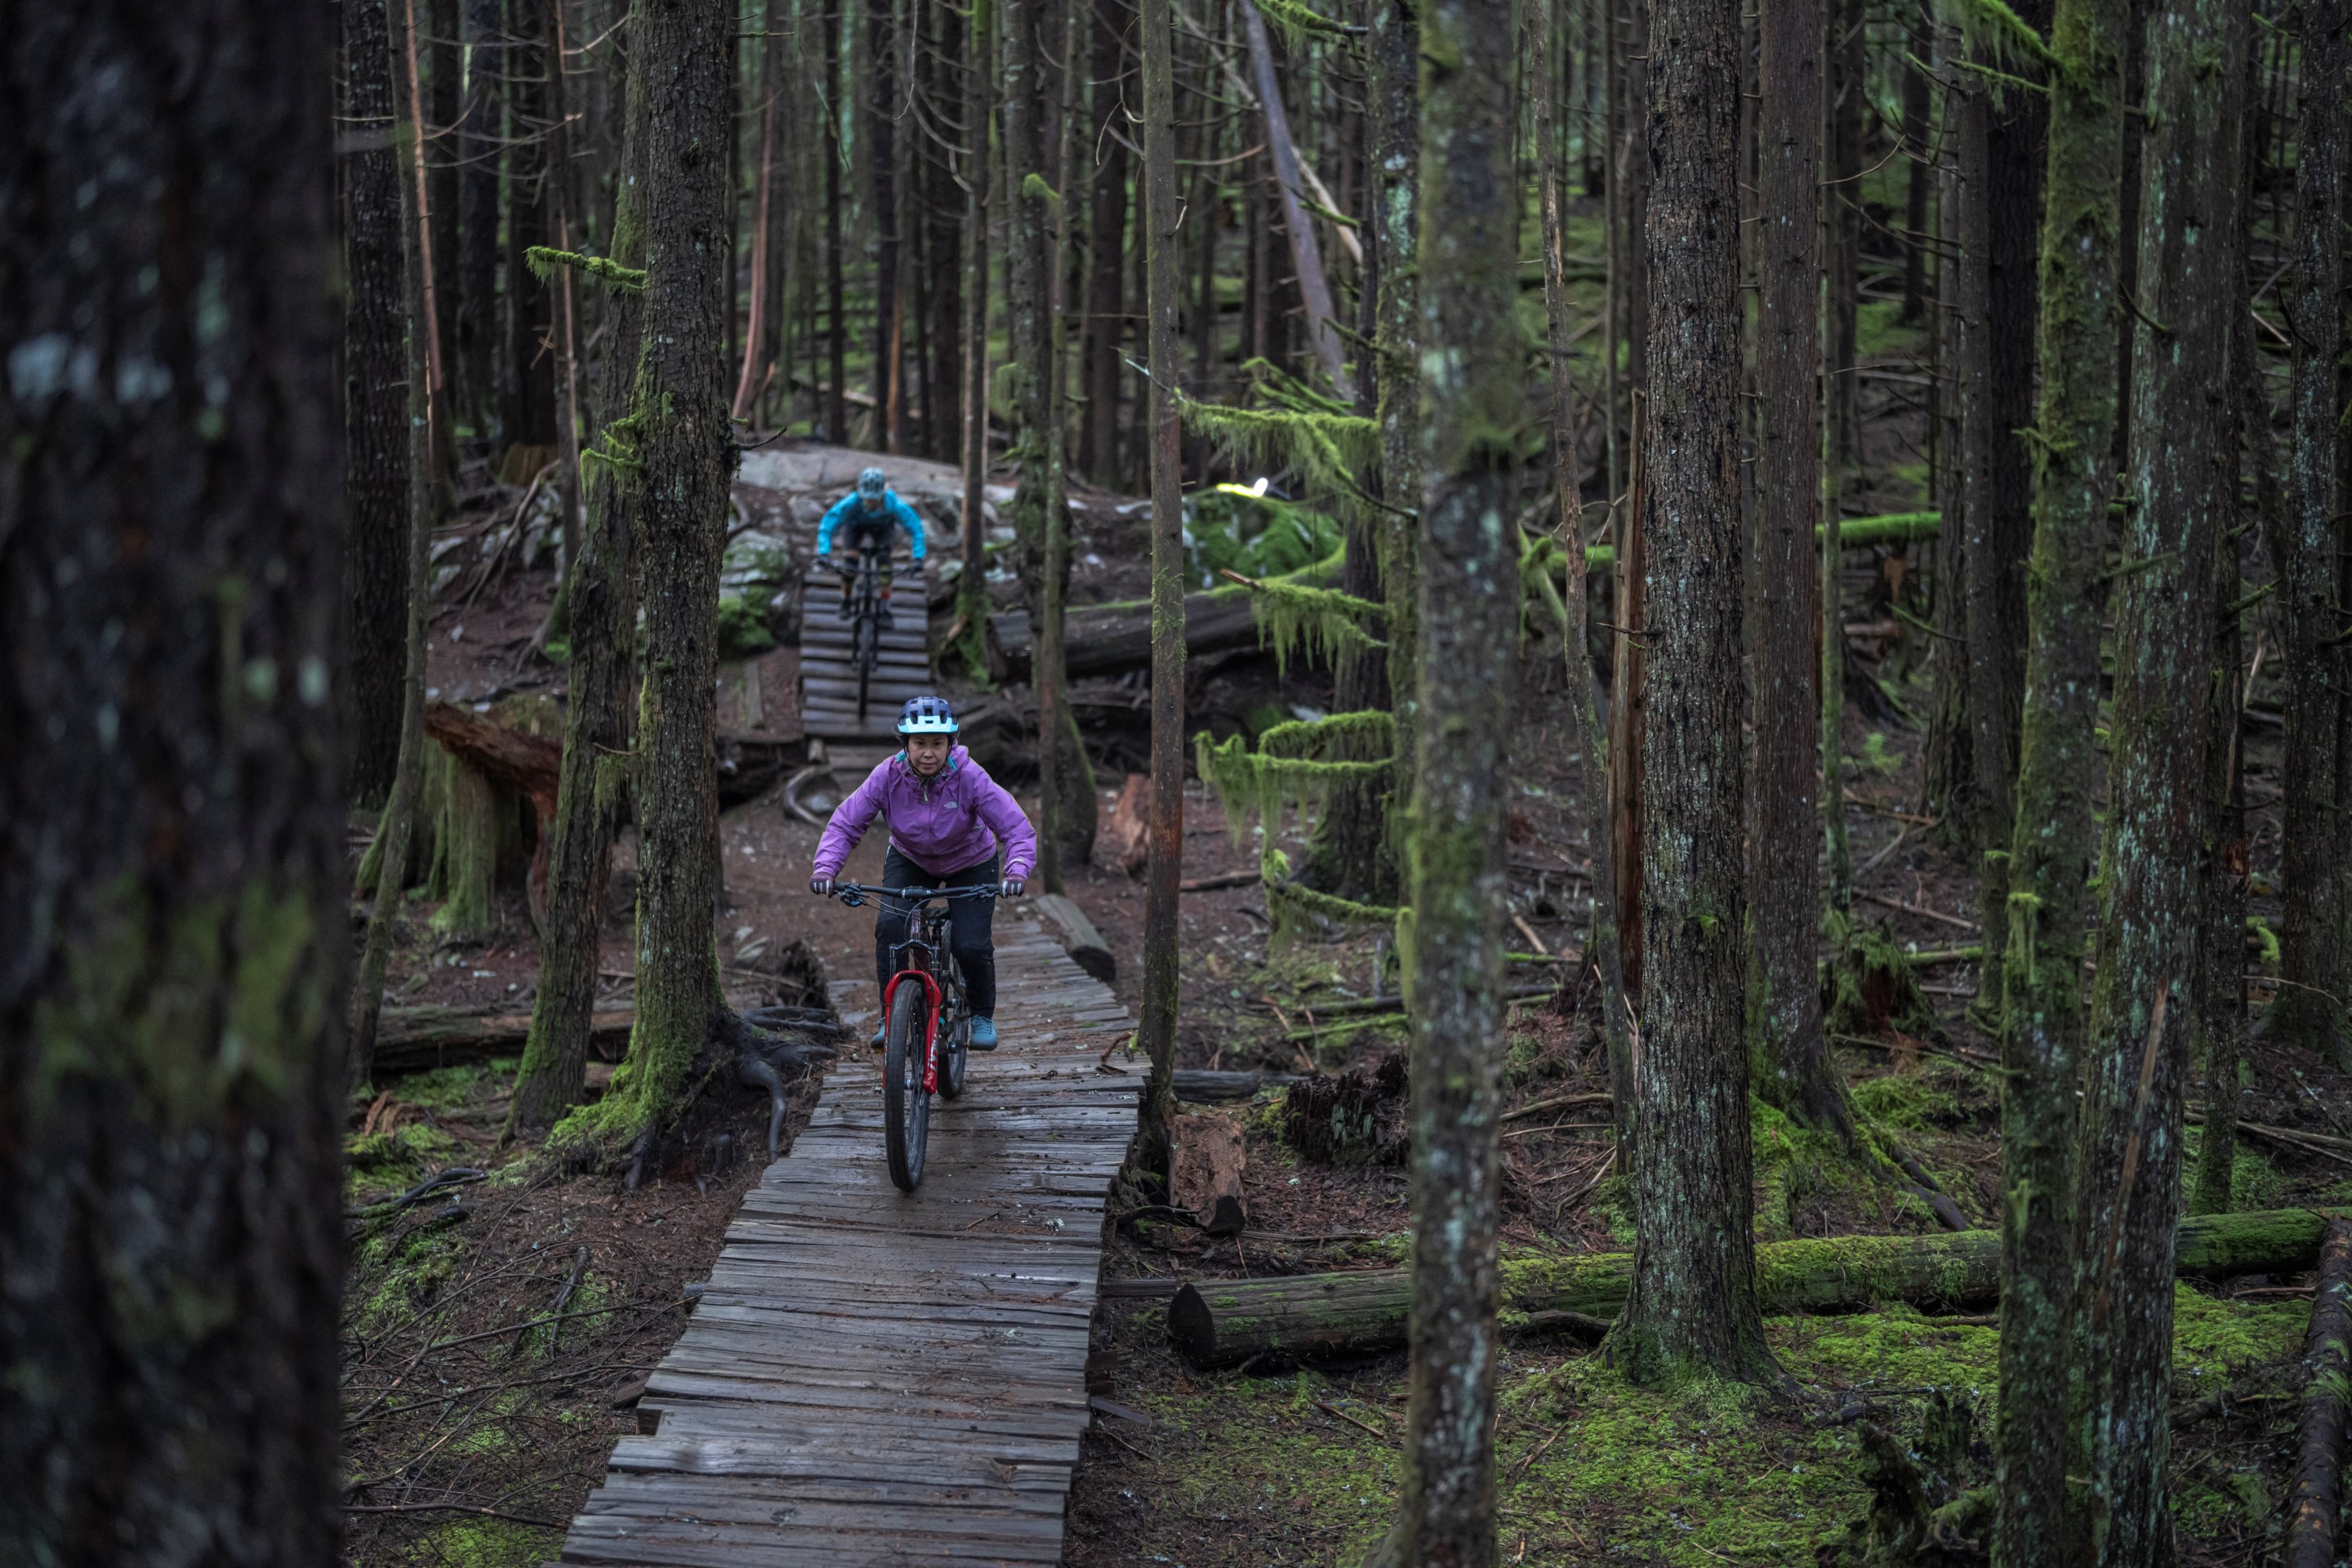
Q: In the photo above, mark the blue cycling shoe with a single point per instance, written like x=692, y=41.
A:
x=877, y=1039
x=984, y=1033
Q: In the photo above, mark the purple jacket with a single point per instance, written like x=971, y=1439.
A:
x=942, y=824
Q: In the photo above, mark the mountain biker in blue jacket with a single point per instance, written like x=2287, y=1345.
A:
x=869, y=512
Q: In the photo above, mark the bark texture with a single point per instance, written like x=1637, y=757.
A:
x=2310, y=1007
x=2054, y=843
x=375, y=408
x=173, y=930
x=1472, y=410
x=592, y=786
x=686, y=457
x=1393, y=95
x=1693, y=1308
x=1164, y=869
x=2001, y=495
x=2183, y=484
x=1789, y=1062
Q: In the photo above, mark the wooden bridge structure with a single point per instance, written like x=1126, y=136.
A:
x=871, y=1377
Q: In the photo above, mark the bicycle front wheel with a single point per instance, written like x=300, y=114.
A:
x=905, y=1104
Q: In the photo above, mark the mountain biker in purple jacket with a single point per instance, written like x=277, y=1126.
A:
x=947, y=817
x=869, y=512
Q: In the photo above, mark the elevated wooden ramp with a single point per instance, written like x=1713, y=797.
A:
x=829, y=681
x=875, y=1378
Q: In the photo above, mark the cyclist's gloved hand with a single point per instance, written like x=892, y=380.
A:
x=821, y=885
x=1011, y=887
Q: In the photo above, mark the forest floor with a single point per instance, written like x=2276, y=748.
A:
x=496, y=1342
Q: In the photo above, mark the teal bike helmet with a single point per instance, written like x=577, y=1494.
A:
x=927, y=716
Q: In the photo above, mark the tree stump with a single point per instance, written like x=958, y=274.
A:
x=1206, y=1182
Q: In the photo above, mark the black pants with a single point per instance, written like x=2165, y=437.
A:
x=861, y=537
x=969, y=922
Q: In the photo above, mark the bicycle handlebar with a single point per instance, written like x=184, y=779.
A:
x=855, y=893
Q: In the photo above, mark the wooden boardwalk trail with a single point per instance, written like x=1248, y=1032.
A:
x=872, y=1377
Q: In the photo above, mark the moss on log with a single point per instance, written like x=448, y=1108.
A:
x=1222, y=1322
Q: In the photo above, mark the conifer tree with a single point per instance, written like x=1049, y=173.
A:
x=174, y=928
x=1472, y=414
x=2182, y=489
x=2055, y=844
x=1693, y=1306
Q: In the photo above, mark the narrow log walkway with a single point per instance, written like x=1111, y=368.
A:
x=875, y=1378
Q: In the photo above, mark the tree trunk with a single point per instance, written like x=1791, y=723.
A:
x=1917, y=103
x=1694, y=1300
x=592, y=787
x=1106, y=308
x=1364, y=1312
x=398, y=826
x=1066, y=778
x=1949, y=788
x=476, y=305
x=530, y=375
x=1789, y=1055
x=1603, y=952
x=1164, y=870
x=2219, y=1019
x=375, y=408
x=836, y=337
x=2000, y=496
x=174, y=927
x=682, y=54
x=1845, y=106
x=1472, y=400
x=2055, y=844
x=1306, y=256
x=972, y=583
x=1393, y=92
x=880, y=102
x=2183, y=492
x=1628, y=694
x=2309, y=1011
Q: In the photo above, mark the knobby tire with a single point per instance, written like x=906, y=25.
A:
x=906, y=1108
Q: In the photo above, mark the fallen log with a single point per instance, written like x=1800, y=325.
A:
x=1204, y=1085
x=2312, y=1496
x=416, y=1039
x=1226, y=1321
x=1111, y=639
x=1069, y=926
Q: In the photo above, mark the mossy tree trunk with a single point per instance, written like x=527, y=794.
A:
x=1472, y=409
x=2309, y=1010
x=402, y=812
x=2182, y=493
x=682, y=51
x=1394, y=96
x=175, y=923
x=1948, y=767
x=1789, y=1058
x=476, y=309
x=2054, y=844
x=2000, y=472
x=592, y=787
x=1164, y=867
x=1603, y=952
x=1693, y=1308
x=375, y=408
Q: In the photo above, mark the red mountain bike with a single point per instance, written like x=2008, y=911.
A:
x=926, y=1026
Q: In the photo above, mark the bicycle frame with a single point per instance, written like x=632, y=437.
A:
x=922, y=945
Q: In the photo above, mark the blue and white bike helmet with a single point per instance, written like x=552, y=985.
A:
x=872, y=483
x=927, y=716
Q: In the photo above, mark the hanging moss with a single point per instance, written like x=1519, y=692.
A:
x=1296, y=23
x=543, y=260
x=1326, y=450
x=1990, y=27
x=1325, y=623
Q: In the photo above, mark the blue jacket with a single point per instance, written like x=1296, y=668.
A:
x=849, y=509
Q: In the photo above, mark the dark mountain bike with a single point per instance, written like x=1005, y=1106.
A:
x=926, y=1023
x=865, y=579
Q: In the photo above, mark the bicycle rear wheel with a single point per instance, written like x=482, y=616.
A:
x=906, y=1107
x=862, y=655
